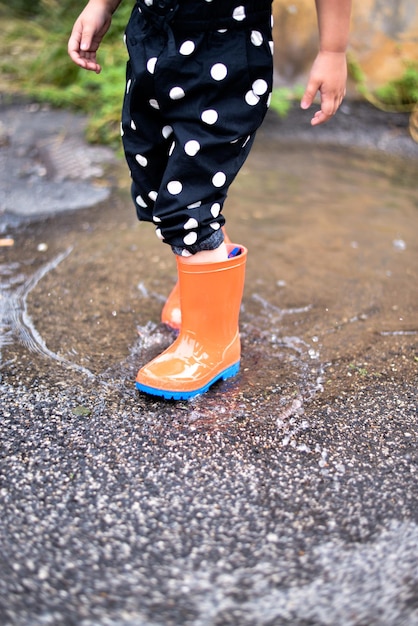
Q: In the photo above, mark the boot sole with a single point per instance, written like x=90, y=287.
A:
x=186, y=395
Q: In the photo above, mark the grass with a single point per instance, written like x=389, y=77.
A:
x=34, y=63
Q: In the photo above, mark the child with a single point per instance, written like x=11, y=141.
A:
x=199, y=79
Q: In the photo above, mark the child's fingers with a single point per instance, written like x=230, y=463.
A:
x=330, y=103
x=319, y=118
x=328, y=77
x=79, y=50
x=74, y=44
x=308, y=97
x=85, y=61
x=328, y=108
x=87, y=43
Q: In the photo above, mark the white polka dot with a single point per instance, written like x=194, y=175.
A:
x=124, y=39
x=128, y=85
x=151, y=65
x=186, y=253
x=174, y=187
x=246, y=141
x=187, y=48
x=222, y=30
x=215, y=226
x=156, y=219
x=256, y=38
x=191, y=223
x=176, y=93
x=190, y=239
x=153, y=195
x=260, y=87
x=154, y=103
x=173, y=145
x=269, y=100
x=215, y=209
x=133, y=125
x=143, y=161
x=167, y=131
x=271, y=44
x=140, y=201
x=219, y=179
x=149, y=3
x=218, y=71
x=122, y=132
x=192, y=147
x=210, y=116
x=159, y=234
x=195, y=205
x=239, y=14
x=251, y=98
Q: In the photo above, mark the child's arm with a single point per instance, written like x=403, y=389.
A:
x=88, y=32
x=329, y=70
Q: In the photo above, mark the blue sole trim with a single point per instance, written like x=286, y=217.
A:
x=186, y=395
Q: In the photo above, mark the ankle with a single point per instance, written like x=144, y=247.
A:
x=208, y=256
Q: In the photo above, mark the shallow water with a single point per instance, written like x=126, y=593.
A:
x=257, y=501
x=330, y=293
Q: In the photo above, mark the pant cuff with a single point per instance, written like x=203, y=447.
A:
x=211, y=243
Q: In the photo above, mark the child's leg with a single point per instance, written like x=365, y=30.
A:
x=146, y=141
x=212, y=91
x=214, y=125
x=190, y=115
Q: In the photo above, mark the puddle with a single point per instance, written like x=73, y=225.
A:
x=330, y=291
x=46, y=166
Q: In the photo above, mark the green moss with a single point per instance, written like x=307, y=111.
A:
x=282, y=98
x=402, y=91
x=400, y=94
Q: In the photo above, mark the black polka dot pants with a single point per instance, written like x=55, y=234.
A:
x=198, y=87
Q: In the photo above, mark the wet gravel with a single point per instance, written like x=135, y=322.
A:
x=119, y=510
x=254, y=507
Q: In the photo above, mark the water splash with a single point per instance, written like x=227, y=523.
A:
x=15, y=321
x=398, y=333
x=280, y=312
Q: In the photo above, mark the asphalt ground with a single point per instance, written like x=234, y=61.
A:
x=259, y=504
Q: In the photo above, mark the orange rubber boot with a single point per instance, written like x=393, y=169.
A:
x=171, y=313
x=208, y=347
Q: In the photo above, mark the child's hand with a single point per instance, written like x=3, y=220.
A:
x=87, y=34
x=328, y=76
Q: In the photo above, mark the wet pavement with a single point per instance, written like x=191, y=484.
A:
x=287, y=495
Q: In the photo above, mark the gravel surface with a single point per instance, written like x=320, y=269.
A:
x=119, y=511
x=236, y=509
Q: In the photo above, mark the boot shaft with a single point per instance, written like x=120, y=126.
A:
x=208, y=347
x=211, y=294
